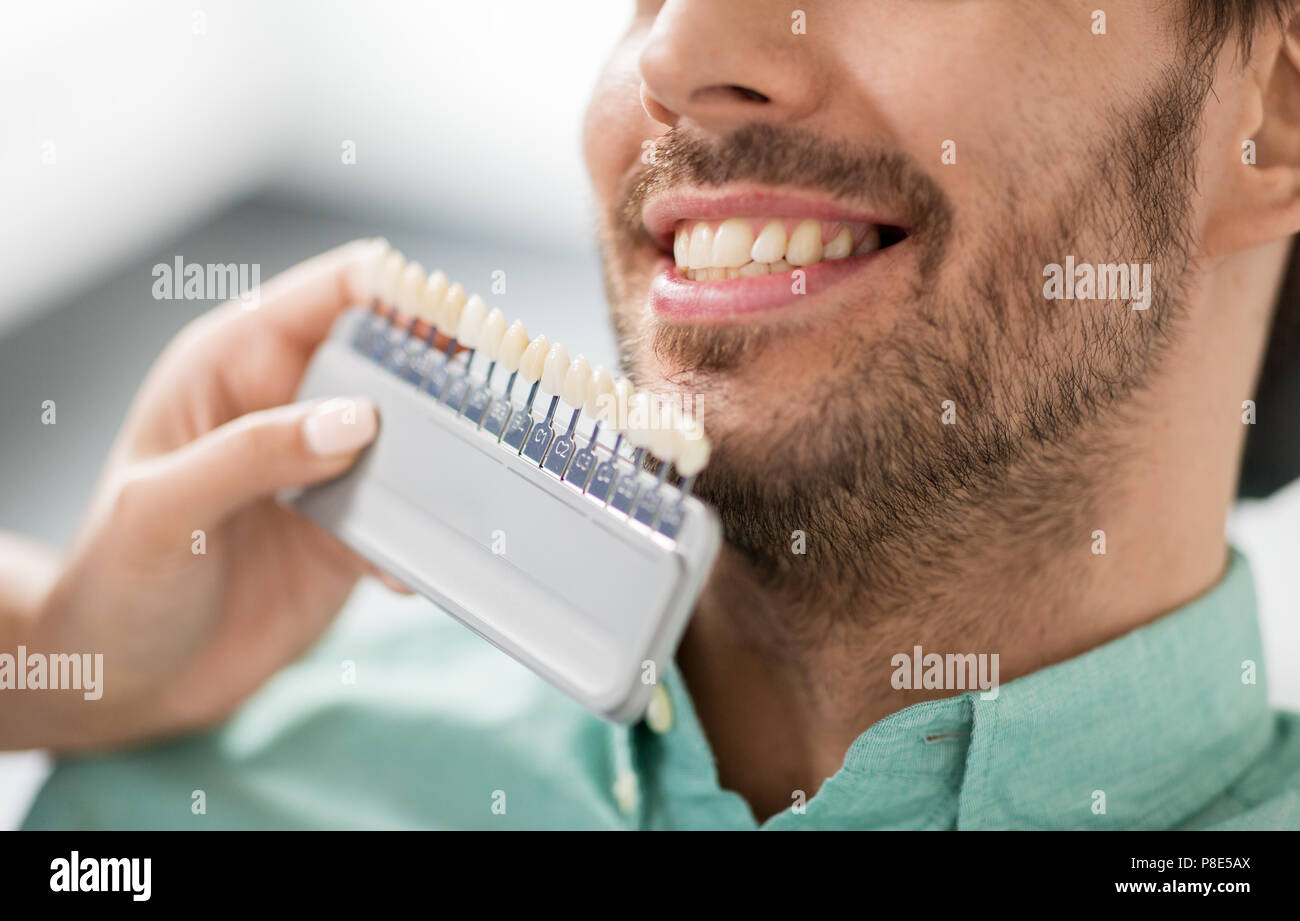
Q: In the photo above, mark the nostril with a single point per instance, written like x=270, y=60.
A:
x=727, y=93
x=749, y=95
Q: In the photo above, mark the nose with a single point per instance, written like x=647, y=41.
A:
x=722, y=63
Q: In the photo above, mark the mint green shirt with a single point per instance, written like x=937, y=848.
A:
x=1165, y=727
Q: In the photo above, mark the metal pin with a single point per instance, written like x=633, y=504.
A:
x=521, y=423
x=542, y=437
x=605, y=474
x=584, y=460
x=627, y=488
x=367, y=329
x=671, y=514
x=379, y=343
x=649, y=509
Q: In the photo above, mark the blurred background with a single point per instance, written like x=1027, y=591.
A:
x=264, y=132
x=237, y=131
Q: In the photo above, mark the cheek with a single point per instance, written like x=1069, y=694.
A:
x=615, y=127
x=992, y=126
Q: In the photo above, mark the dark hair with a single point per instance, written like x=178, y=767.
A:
x=1209, y=23
x=1272, y=457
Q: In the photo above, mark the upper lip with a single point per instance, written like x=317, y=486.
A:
x=661, y=212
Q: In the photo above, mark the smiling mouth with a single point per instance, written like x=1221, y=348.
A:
x=743, y=248
x=719, y=266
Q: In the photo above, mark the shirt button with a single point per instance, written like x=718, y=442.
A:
x=659, y=715
x=627, y=792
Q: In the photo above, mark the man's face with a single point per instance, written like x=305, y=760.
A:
x=979, y=141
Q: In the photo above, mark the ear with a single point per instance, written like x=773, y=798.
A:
x=1259, y=200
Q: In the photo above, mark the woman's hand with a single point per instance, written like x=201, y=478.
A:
x=187, y=635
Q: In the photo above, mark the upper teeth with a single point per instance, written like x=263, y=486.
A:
x=705, y=251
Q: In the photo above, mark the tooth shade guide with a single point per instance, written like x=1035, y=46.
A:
x=414, y=352
x=420, y=503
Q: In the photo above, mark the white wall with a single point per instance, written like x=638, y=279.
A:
x=456, y=108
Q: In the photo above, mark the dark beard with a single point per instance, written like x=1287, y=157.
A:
x=890, y=501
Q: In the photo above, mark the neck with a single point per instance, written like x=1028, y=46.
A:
x=783, y=685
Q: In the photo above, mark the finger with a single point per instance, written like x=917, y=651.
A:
x=259, y=454
x=254, y=356
x=392, y=583
x=303, y=301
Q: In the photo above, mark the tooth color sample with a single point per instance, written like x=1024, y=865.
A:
x=494, y=331
x=601, y=385
x=470, y=327
x=452, y=305
x=615, y=415
x=394, y=264
x=554, y=369
x=432, y=295
x=638, y=420
x=513, y=344
x=409, y=287
x=663, y=432
x=576, y=381
x=533, y=360
x=375, y=270
x=692, y=450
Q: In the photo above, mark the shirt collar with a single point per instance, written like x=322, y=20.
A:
x=1141, y=732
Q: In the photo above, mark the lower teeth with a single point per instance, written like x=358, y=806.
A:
x=755, y=269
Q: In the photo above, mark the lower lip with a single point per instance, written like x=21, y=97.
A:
x=675, y=297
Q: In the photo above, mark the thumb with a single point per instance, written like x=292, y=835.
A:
x=261, y=453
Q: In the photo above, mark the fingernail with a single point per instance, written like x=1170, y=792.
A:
x=340, y=426
x=395, y=585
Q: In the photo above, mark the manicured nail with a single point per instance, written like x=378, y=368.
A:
x=340, y=426
x=393, y=584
